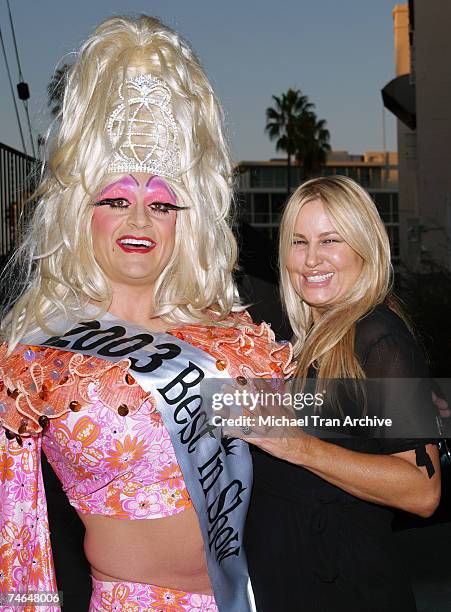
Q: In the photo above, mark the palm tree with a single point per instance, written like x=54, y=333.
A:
x=281, y=123
x=55, y=89
x=311, y=143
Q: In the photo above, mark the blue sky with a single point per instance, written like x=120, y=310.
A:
x=338, y=53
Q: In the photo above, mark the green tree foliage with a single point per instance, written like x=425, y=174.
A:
x=312, y=144
x=294, y=125
x=282, y=123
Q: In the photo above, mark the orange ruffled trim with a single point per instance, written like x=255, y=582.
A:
x=38, y=383
x=243, y=349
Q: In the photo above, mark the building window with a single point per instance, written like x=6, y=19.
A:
x=383, y=203
x=264, y=177
x=255, y=177
x=295, y=175
x=280, y=177
x=341, y=170
x=364, y=176
x=387, y=205
x=375, y=177
x=353, y=173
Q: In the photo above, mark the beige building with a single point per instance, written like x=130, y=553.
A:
x=420, y=97
x=263, y=191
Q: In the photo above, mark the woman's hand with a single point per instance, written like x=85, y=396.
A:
x=289, y=447
x=397, y=480
x=275, y=429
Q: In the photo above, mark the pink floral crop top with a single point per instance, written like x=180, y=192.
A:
x=101, y=431
x=114, y=460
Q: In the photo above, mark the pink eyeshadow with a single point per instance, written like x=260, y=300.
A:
x=160, y=195
x=116, y=192
x=127, y=183
x=158, y=188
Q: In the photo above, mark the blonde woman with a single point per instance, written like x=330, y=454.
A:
x=325, y=505
x=124, y=312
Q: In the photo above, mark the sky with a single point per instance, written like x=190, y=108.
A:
x=340, y=54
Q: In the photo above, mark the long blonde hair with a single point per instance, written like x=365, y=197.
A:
x=62, y=275
x=329, y=344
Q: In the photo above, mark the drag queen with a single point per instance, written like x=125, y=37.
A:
x=129, y=305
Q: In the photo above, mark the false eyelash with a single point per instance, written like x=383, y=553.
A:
x=109, y=201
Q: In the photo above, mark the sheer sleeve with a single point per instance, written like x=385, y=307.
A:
x=399, y=389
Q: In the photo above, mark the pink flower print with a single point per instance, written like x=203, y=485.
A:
x=119, y=484
x=28, y=444
x=18, y=540
x=37, y=573
x=202, y=603
x=30, y=521
x=18, y=545
x=41, y=512
x=172, y=496
x=22, y=487
x=114, y=429
x=108, y=511
x=147, y=421
x=92, y=392
x=169, y=472
x=101, y=412
x=144, y=505
x=6, y=505
x=28, y=461
x=77, y=445
x=92, y=485
x=167, y=600
x=6, y=562
x=104, y=415
x=126, y=453
x=20, y=576
x=118, y=600
x=162, y=451
x=6, y=463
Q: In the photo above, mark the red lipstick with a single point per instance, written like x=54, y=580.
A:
x=136, y=244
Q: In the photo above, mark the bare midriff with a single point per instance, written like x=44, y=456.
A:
x=167, y=552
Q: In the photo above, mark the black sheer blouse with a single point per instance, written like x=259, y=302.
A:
x=397, y=388
x=312, y=546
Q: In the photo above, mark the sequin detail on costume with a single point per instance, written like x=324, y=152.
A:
x=71, y=433
x=243, y=349
x=102, y=434
x=37, y=391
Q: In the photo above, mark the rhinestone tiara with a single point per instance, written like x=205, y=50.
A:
x=142, y=129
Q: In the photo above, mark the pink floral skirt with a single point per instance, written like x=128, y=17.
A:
x=137, y=597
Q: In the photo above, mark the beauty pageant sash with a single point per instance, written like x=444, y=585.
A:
x=217, y=470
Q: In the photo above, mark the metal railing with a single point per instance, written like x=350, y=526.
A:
x=18, y=175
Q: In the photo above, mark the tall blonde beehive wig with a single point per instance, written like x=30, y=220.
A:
x=62, y=273
x=329, y=344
